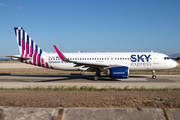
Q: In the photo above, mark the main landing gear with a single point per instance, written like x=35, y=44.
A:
x=153, y=74
x=96, y=77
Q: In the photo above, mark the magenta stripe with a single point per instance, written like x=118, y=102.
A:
x=22, y=47
x=27, y=49
x=34, y=57
x=30, y=55
x=42, y=60
x=47, y=65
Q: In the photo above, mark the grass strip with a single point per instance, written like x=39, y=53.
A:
x=91, y=88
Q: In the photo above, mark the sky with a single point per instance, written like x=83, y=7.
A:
x=92, y=25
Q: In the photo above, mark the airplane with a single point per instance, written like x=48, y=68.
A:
x=113, y=64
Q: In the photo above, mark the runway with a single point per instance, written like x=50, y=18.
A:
x=15, y=81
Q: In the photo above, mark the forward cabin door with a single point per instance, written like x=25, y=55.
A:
x=155, y=59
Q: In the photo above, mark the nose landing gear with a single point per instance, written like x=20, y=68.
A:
x=153, y=74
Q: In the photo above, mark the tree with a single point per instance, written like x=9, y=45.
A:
x=178, y=58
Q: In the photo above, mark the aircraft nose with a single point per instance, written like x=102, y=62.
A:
x=175, y=64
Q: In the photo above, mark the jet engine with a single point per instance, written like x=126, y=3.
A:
x=118, y=72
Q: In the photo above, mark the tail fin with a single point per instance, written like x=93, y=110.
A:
x=27, y=47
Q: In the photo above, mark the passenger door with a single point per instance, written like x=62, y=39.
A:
x=155, y=59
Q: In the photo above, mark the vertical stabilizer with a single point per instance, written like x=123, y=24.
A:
x=27, y=47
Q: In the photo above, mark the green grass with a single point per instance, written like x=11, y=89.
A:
x=91, y=88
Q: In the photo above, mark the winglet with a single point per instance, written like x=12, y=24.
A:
x=59, y=53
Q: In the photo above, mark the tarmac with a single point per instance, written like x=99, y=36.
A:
x=18, y=113
x=15, y=81
x=18, y=81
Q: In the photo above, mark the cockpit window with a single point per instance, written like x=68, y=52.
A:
x=166, y=58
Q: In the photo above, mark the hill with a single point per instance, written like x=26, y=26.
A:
x=174, y=56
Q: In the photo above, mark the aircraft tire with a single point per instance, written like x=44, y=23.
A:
x=154, y=77
x=96, y=77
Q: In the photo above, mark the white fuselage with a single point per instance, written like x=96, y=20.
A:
x=134, y=60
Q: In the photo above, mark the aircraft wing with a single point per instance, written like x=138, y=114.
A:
x=86, y=64
x=90, y=64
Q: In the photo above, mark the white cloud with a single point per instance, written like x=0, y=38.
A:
x=19, y=8
x=2, y=4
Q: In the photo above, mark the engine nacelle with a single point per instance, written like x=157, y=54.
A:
x=118, y=72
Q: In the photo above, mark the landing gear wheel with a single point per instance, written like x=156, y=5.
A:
x=153, y=74
x=154, y=77
x=96, y=77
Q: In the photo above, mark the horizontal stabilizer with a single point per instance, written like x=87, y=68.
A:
x=21, y=58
